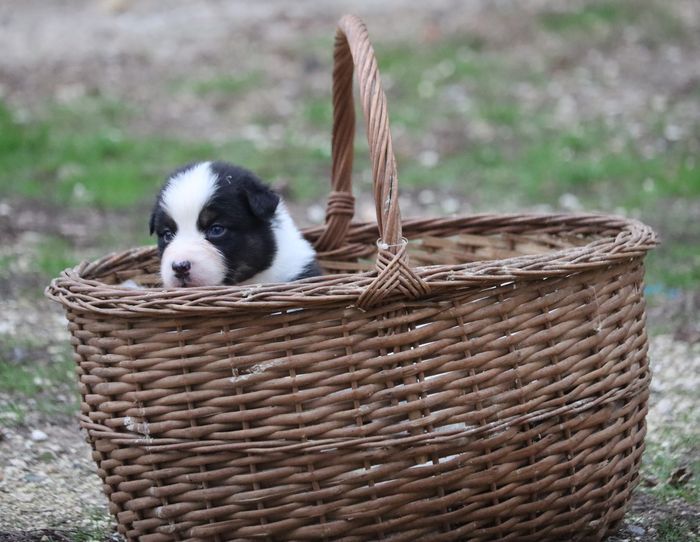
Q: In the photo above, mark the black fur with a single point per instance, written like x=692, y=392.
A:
x=312, y=269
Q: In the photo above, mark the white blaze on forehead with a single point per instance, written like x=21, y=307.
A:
x=187, y=193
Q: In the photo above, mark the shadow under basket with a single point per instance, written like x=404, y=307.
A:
x=474, y=378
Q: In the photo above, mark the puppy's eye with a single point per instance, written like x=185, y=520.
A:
x=167, y=235
x=216, y=230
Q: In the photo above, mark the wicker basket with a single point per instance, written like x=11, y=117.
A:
x=494, y=388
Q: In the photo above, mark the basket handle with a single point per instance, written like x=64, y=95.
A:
x=354, y=50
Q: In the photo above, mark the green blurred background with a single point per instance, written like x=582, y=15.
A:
x=554, y=106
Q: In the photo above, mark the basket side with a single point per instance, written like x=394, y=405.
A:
x=509, y=412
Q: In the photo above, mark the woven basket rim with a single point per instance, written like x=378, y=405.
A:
x=80, y=288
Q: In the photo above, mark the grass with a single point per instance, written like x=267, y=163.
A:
x=34, y=380
x=95, y=527
x=588, y=16
x=599, y=21
x=453, y=86
x=453, y=97
x=99, y=527
x=419, y=76
x=63, y=162
x=685, y=270
x=42, y=256
x=226, y=85
x=5, y=264
x=12, y=413
x=676, y=530
x=53, y=254
x=85, y=157
x=82, y=156
x=669, y=449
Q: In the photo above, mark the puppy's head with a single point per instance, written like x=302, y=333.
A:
x=214, y=225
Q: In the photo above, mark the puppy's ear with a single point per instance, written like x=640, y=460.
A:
x=261, y=200
x=152, y=223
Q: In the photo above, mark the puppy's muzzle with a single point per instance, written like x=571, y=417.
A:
x=182, y=269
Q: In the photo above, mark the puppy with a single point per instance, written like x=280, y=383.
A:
x=219, y=224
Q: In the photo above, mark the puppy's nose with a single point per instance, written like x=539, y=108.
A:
x=182, y=269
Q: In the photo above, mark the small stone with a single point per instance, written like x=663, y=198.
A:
x=450, y=205
x=21, y=496
x=33, y=478
x=673, y=132
x=665, y=406
x=636, y=530
x=570, y=202
x=38, y=435
x=426, y=197
x=428, y=158
x=316, y=213
x=116, y=6
x=650, y=481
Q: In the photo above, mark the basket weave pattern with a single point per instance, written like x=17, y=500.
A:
x=491, y=387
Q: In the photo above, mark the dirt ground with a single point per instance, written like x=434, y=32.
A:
x=132, y=50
